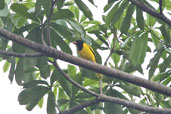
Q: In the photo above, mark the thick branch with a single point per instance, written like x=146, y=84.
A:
x=136, y=106
x=152, y=12
x=49, y=51
x=20, y=55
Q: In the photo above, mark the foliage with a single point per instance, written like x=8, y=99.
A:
x=130, y=34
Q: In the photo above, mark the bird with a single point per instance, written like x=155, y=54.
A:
x=85, y=51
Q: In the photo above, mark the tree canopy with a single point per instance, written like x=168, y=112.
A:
x=36, y=34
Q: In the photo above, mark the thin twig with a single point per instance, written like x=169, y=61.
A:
x=42, y=36
x=113, y=47
x=48, y=22
x=105, y=63
x=100, y=86
x=20, y=55
x=160, y=5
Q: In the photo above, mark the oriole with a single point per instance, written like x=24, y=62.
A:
x=86, y=52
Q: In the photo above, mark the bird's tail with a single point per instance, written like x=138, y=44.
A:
x=99, y=75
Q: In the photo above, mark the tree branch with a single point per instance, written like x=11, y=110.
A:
x=20, y=55
x=136, y=106
x=110, y=72
x=105, y=98
x=152, y=12
x=80, y=106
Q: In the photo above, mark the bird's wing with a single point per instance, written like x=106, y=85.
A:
x=92, y=52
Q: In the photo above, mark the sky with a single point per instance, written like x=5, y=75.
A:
x=9, y=92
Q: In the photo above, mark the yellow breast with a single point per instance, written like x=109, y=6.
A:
x=87, y=53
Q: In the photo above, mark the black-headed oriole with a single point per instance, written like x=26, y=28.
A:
x=86, y=52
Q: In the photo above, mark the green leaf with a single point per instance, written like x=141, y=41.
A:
x=165, y=64
x=56, y=75
x=102, y=39
x=129, y=67
x=12, y=71
x=90, y=82
x=1, y=23
x=6, y=66
x=155, y=35
x=107, y=7
x=127, y=20
x=138, y=49
x=44, y=67
x=23, y=11
x=51, y=108
x=40, y=103
x=160, y=77
x=30, y=97
x=131, y=89
x=129, y=38
x=79, y=79
x=64, y=31
x=62, y=95
x=110, y=108
x=139, y=18
x=82, y=111
x=115, y=58
x=91, y=1
x=60, y=4
x=84, y=9
x=88, y=73
x=151, y=20
x=76, y=11
x=2, y=4
x=111, y=14
x=33, y=83
x=77, y=27
x=62, y=14
x=58, y=41
x=38, y=9
x=83, y=95
x=166, y=81
x=3, y=43
x=35, y=35
x=71, y=70
x=154, y=62
x=158, y=98
x=47, y=5
x=18, y=48
x=26, y=28
x=119, y=12
x=165, y=32
x=19, y=72
x=4, y=12
x=18, y=21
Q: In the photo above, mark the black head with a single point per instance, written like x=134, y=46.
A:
x=79, y=44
